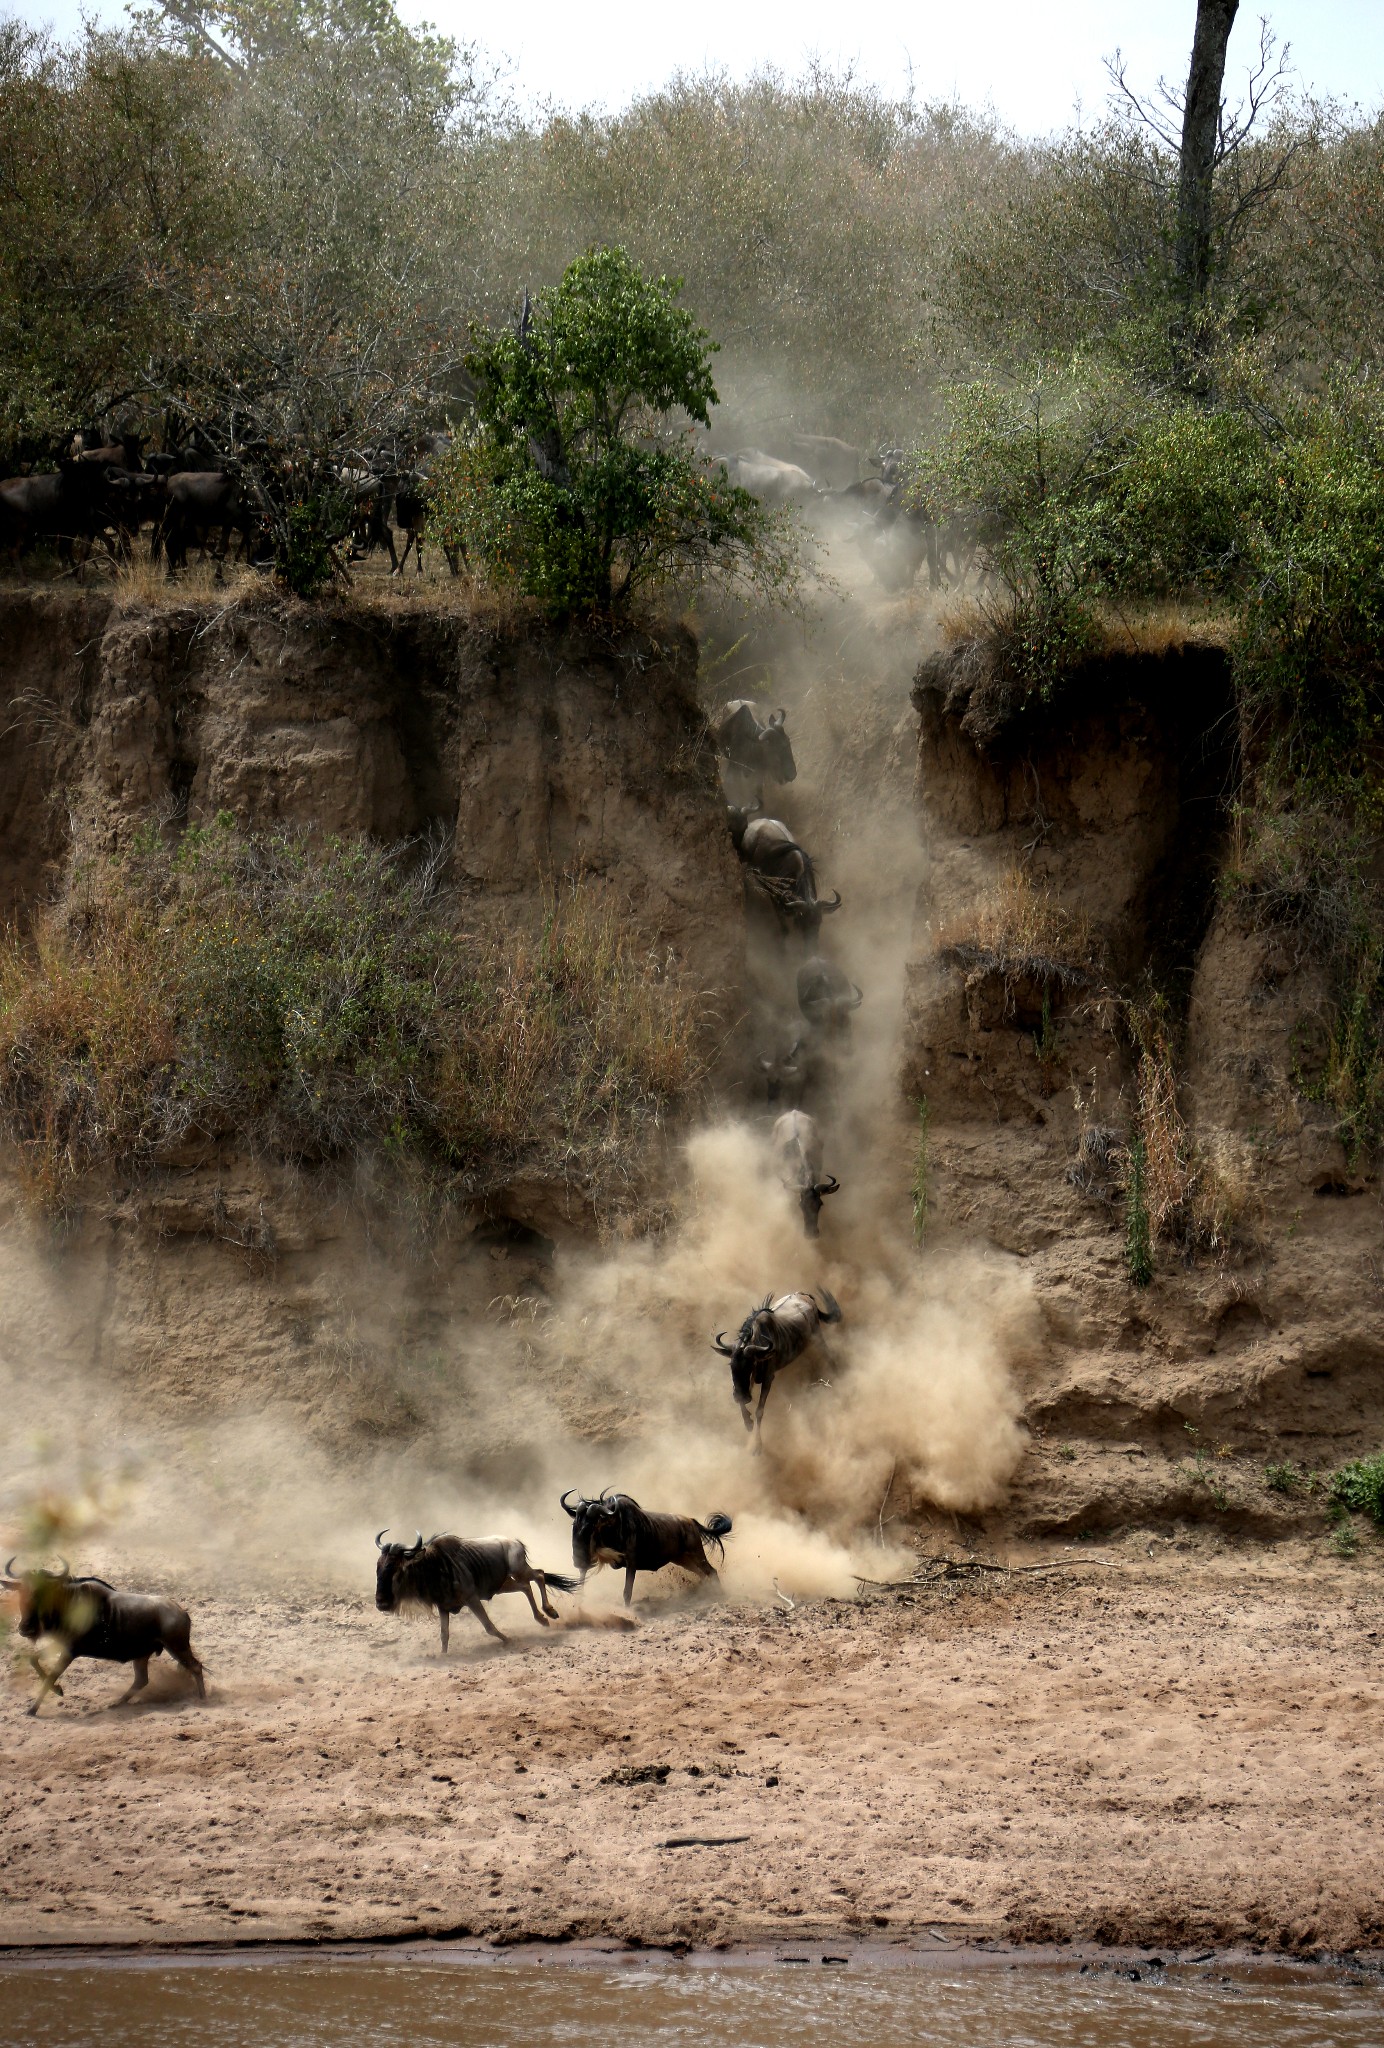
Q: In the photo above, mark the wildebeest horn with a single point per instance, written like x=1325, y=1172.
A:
x=830, y=1186
x=718, y=1343
x=417, y=1542
x=563, y=1502
x=835, y=903
x=9, y=1568
x=859, y=997
x=379, y=1540
x=777, y=717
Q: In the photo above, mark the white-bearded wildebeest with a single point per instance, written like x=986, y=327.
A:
x=772, y=1336
x=785, y=873
x=797, y=1148
x=754, y=745
x=89, y=1618
x=448, y=1573
x=614, y=1529
x=826, y=998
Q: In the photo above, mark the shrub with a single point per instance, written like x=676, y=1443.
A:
x=1359, y=1488
x=320, y=1001
x=574, y=485
x=1138, y=1235
x=920, y=1171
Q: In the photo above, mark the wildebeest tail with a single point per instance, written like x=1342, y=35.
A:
x=562, y=1582
x=714, y=1528
x=832, y=1312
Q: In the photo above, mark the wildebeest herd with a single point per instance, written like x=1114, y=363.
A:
x=105, y=493
x=104, y=489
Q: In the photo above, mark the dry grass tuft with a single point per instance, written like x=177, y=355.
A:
x=1199, y=1195
x=1022, y=931
x=328, y=1001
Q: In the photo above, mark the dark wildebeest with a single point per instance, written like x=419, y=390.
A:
x=797, y=1147
x=89, y=1618
x=772, y=1336
x=826, y=998
x=448, y=1573
x=613, y=1529
x=63, y=505
x=200, y=503
x=738, y=817
x=784, y=871
x=754, y=745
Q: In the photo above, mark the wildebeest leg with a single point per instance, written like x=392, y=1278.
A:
x=486, y=1623
x=629, y=1585
x=525, y=1586
x=444, y=1621
x=696, y=1561
x=548, y=1607
x=192, y=1664
x=137, y=1683
x=50, y=1678
x=759, y=1416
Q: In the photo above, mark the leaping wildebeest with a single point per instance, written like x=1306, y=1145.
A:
x=614, y=1529
x=785, y=872
x=772, y=1336
x=826, y=998
x=89, y=1618
x=448, y=1573
x=797, y=1148
x=754, y=745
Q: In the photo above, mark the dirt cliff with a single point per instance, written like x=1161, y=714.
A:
x=1103, y=826
x=529, y=755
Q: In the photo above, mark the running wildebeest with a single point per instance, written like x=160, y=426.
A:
x=826, y=998
x=784, y=1074
x=753, y=743
x=448, y=1573
x=89, y=1618
x=797, y=1148
x=772, y=1336
x=614, y=1529
x=785, y=873
x=768, y=477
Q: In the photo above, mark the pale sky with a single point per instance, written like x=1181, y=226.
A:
x=1032, y=60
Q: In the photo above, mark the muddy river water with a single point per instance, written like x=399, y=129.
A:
x=376, y=2002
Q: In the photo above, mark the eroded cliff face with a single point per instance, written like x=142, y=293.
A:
x=224, y=1279
x=1152, y=1405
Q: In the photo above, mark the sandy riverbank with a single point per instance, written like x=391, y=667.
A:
x=1182, y=1751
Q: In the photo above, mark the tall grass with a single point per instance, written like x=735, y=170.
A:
x=322, y=1001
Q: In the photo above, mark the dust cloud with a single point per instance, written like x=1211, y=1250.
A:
x=602, y=1372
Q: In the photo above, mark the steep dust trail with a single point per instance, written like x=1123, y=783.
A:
x=598, y=1369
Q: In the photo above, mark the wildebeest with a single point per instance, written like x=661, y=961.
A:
x=785, y=872
x=826, y=998
x=199, y=503
x=796, y=1140
x=772, y=1336
x=448, y=1573
x=785, y=1073
x=63, y=505
x=833, y=463
x=754, y=743
x=614, y=1529
x=89, y=1618
x=766, y=477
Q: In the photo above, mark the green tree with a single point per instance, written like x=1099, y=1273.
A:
x=576, y=484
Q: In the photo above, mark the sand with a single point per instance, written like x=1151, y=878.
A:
x=1181, y=1750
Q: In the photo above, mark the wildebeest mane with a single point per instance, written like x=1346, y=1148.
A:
x=445, y=1573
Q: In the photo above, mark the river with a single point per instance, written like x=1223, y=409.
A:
x=374, y=2002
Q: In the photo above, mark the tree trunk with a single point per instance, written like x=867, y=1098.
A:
x=1200, y=136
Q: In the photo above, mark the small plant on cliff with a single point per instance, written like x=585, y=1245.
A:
x=1138, y=1236
x=574, y=485
x=920, y=1171
x=1359, y=1488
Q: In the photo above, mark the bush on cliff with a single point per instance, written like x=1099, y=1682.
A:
x=576, y=485
x=325, y=1000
